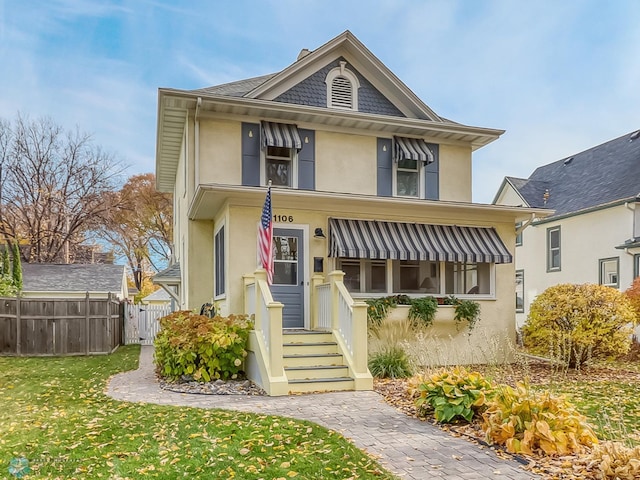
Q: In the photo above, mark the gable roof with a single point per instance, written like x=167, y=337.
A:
x=160, y=295
x=390, y=107
x=599, y=176
x=46, y=277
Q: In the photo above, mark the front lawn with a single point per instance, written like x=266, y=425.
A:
x=54, y=413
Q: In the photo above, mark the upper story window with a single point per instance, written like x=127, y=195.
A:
x=342, y=88
x=410, y=157
x=281, y=143
x=553, y=249
x=518, y=234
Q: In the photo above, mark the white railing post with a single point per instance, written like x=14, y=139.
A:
x=360, y=349
x=316, y=280
x=335, y=277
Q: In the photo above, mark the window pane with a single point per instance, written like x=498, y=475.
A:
x=555, y=259
x=407, y=184
x=409, y=275
x=285, y=248
x=378, y=277
x=279, y=172
x=554, y=238
x=219, y=262
x=467, y=278
x=285, y=273
x=609, y=272
x=279, y=152
x=351, y=275
x=406, y=164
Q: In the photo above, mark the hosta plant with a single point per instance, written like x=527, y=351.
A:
x=454, y=395
x=535, y=422
x=616, y=461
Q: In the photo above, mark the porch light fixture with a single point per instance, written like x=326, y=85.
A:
x=319, y=233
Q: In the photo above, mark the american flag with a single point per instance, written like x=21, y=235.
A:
x=265, y=238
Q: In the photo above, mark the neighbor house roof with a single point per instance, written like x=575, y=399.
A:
x=599, y=176
x=160, y=295
x=41, y=277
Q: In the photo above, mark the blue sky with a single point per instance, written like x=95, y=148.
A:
x=558, y=76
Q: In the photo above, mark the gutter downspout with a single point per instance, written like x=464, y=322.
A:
x=524, y=225
x=196, y=119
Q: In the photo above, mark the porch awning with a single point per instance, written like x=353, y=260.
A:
x=411, y=149
x=375, y=239
x=281, y=135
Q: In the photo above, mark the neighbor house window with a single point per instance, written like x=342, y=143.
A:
x=519, y=291
x=553, y=249
x=218, y=245
x=518, y=235
x=636, y=265
x=342, y=88
x=609, y=272
x=280, y=166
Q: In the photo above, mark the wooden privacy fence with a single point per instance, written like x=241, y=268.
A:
x=60, y=326
x=141, y=322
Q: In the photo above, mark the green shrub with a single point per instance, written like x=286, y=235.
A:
x=529, y=422
x=453, y=395
x=423, y=310
x=575, y=323
x=392, y=362
x=201, y=347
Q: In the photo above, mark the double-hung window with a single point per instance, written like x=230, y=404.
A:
x=280, y=166
x=218, y=259
x=553, y=249
x=408, y=178
x=519, y=291
x=609, y=272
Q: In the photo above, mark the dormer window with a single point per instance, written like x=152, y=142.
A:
x=342, y=88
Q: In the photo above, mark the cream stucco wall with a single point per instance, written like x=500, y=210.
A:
x=584, y=240
x=346, y=163
x=455, y=173
x=220, y=152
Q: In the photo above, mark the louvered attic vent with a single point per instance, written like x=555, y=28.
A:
x=341, y=93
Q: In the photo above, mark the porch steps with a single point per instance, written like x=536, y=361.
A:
x=313, y=363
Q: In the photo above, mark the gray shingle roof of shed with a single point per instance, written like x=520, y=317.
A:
x=41, y=277
x=598, y=176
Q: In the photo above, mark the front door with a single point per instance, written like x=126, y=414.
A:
x=288, y=275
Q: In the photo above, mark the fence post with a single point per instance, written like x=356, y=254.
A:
x=87, y=336
x=18, y=326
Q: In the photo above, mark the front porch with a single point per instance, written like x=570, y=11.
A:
x=330, y=355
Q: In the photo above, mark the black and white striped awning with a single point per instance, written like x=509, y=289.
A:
x=415, y=241
x=281, y=135
x=411, y=149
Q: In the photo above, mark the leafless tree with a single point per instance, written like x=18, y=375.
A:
x=53, y=187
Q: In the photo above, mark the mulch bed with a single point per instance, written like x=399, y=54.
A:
x=395, y=392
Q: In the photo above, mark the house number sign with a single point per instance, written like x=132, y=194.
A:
x=283, y=218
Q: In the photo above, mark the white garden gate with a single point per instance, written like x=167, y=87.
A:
x=141, y=322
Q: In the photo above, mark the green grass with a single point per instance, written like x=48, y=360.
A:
x=53, y=412
x=613, y=408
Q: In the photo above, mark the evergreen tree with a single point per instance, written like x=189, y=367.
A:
x=17, y=266
x=5, y=266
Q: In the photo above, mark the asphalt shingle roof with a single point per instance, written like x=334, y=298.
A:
x=598, y=176
x=41, y=277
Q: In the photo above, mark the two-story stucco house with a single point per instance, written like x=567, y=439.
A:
x=371, y=197
x=594, y=234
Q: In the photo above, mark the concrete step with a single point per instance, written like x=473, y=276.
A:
x=317, y=372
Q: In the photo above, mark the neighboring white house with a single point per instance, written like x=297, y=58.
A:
x=594, y=234
x=47, y=280
x=159, y=297
x=371, y=197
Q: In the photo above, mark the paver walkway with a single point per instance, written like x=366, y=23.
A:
x=408, y=447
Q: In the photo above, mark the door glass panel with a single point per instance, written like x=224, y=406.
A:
x=285, y=260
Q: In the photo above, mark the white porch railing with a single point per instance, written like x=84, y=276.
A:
x=323, y=307
x=267, y=342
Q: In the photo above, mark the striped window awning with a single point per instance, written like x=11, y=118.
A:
x=412, y=149
x=375, y=239
x=281, y=135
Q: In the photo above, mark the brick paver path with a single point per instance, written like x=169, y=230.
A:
x=408, y=447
